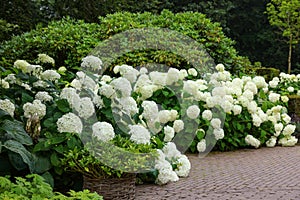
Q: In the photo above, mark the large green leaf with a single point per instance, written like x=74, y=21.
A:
x=41, y=163
x=16, y=131
x=18, y=148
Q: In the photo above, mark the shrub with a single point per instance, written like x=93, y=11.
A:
x=68, y=41
x=34, y=187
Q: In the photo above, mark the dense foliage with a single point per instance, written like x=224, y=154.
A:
x=68, y=41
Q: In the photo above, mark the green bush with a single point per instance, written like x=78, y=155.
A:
x=33, y=187
x=68, y=41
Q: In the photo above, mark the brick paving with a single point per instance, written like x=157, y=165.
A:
x=265, y=173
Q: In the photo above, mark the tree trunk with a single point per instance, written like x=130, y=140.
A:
x=290, y=55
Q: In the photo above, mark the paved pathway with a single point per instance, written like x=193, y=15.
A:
x=265, y=173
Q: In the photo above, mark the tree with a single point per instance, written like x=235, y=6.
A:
x=285, y=14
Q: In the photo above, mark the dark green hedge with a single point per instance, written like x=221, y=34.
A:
x=68, y=41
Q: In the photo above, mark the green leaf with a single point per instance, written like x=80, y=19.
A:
x=41, y=163
x=63, y=105
x=26, y=97
x=54, y=159
x=16, y=131
x=18, y=148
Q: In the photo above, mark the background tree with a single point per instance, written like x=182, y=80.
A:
x=286, y=16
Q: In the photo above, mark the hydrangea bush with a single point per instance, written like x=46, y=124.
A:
x=138, y=110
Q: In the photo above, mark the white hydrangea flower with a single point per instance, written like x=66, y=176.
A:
x=289, y=130
x=215, y=123
x=191, y=87
x=98, y=101
x=192, y=72
x=278, y=128
x=220, y=67
x=260, y=82
x=219, y=91
x=85, y=108
x=284, y=99
x=207, y=115
x=201, y=146
x=107, y=91
x=23, y=65
x=41, y=84
x=218, y=133
x=298, y=92
x=106, y=79
x=164, y=116
x=150, y=110
x=76, y=84
x=183, y=74
x=227, y=106
x=251, y=87
x=7, y=106
x=36, y=107
x=193, y=111
x=274, y=97
x=172, y=76
x=43, y=96
x=50, y=75
x=290, y=89
x=70, y=123
x=158, y=78
x=123, y=86
x=273, y=83
x=71, y=96
x=252, y=107
x=237, y=109
x=166, y=175
x=139, y=134
x=103, y=131
x=44, y=58
x=170, y=150
x=178, y=125
x=256, y=120
x=129, y=73
x=286, y=118
x=252, y=141
x=169, y=133
x=91, y=62
x=4, y=84
x=271, y=142
x=244, y=101
x=62, y=69
x=11, y=78
x=173, y=115
x=248, y=94
x=288, y=141
x=128, y=105
x=183, y=166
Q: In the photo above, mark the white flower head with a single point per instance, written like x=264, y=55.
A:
x=43, y=96
x=172, y=76
x=207, y=115
x=36, y=107
x=70, y=123
x=284, y=99
x=290, y=89
x=271, y=142
x=220, y=68
x=178, y=125
x=288, y=141
x=170, y=150
x=278, y=128
x=169, y=133
x=274, y=97
x=215, y=123
x=193, y=111
x=164, y=116
x=150, y=110
x=71, y=96
x=139, y=134
x=252, y=141
x=123, y=86
x=192, y=72
x=44, y=58
x=92, y=63
x=103, y=131
x=201, y=146
x=7, y=106
x=183, y=166
x=85, y=108
x=50, y=75
x=218, y=133
x=237, y=109
x=289, y=130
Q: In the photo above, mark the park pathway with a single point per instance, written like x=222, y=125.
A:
x=252, y=174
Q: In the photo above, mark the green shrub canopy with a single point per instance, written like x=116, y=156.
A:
x=68, y=40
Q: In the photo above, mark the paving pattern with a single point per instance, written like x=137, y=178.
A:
x=252, y=174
